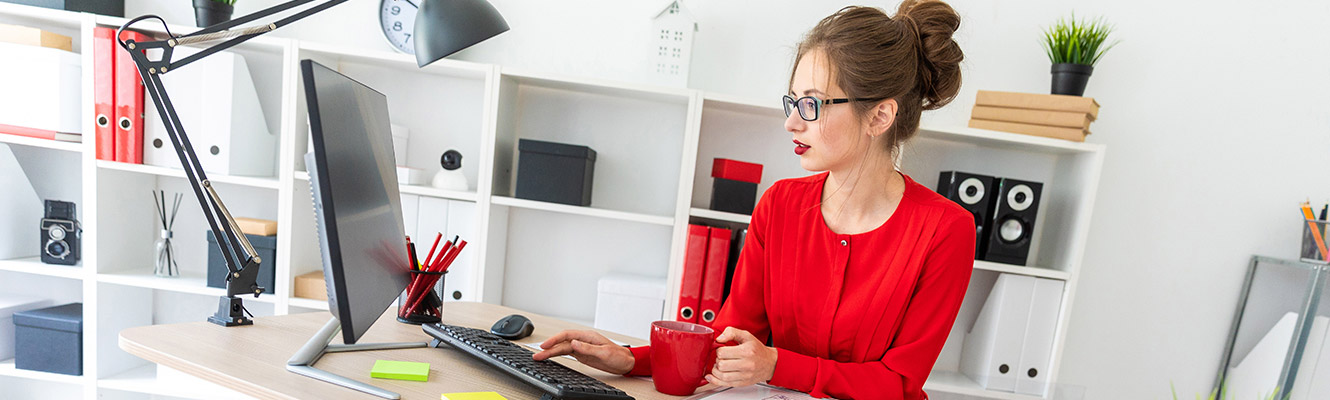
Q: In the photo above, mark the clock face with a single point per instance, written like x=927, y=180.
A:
x=397, y=18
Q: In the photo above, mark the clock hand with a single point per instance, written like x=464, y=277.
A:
x=412, y=4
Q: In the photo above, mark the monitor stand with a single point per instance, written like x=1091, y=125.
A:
x=303, y=361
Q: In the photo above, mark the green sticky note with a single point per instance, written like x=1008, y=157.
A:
x=403, y=370
x=472, y=396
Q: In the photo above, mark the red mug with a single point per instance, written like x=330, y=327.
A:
x=682, y=353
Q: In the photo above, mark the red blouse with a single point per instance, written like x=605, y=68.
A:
x=852, y=316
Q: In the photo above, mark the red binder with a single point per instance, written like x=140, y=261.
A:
x=103, y=80
x=713, y=279
x=695, y=259
x=128, y=104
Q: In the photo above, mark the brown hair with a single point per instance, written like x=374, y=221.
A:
x=910, y=57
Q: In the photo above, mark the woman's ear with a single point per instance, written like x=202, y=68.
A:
x=883, y=115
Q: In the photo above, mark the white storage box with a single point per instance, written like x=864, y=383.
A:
x=8, y=306
x=628, y=304
x=219, y=108
x=42, y=88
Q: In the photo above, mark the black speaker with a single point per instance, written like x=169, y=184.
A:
x=973, y=192
x=1015, y=205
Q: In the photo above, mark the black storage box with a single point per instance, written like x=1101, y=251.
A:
x=733, y=196
x=555, y=172
x=115, y=8
x=50, y=339
x=266, y=246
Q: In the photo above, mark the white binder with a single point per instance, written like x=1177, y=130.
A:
x=409, y=204
x=462, y=219
x=42, y=88
x=1313, y=380
x=220, y=111
x=1037, y=349
x=1255, y=373
x=20, y=210
x=992, y=349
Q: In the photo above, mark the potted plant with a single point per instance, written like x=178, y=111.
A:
x=212, y=12
x=1074, y=47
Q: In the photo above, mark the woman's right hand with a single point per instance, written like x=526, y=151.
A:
x=589, y=348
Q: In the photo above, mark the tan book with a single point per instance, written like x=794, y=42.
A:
x=1072, y=134
x=1066, y=119
x=311, y=286
x=1051, y=102
x=261, y=227
x=24, y=35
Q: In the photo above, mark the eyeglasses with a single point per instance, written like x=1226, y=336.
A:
x=810, y=108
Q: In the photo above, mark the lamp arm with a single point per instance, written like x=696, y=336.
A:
x=242, y=261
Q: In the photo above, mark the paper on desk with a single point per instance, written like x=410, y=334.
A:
x=754, y=392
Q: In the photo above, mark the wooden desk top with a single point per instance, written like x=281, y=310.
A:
x=252, y=359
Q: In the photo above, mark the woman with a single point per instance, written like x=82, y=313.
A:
x=855, y=274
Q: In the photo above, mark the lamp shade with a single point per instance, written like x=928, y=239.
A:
x=444, y=27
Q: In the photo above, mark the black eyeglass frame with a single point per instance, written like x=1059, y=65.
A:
x=791, y=102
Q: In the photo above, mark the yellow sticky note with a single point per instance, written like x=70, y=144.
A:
x=472, y=396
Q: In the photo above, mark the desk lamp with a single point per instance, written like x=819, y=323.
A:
x=442, y=27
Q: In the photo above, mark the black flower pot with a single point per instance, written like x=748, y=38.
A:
x=208, y=12
x=1068, y=79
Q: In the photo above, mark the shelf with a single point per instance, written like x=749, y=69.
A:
x=263, y=183
x=7, y=368
x=76, y=147
x=144, y=380
x=1015, y=141
x=417, y=190
x=587, y=211
x=1022, y=270
x=440, y=193
x=35, y=266
x=958, y=383
x=395, y=60
x=309, y=303
x=720, y=215
x=599, y=86
x=182, y=284
x=745, y=105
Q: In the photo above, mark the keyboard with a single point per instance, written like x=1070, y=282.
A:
x=556, y=380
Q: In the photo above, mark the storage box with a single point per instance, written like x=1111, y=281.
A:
x=255, y=226
x=42, y=89
x=555, y=172
x=29, y=36
x=50, y=339
x=735, y=186
x=266, y=246
x=8, y=306
x=311, y=286
x=628, y=304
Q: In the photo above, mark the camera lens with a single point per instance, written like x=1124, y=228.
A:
x=57, y=249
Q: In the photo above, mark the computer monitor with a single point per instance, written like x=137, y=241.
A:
x=357, y=207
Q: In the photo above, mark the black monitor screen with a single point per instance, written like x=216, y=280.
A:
x=357, y=207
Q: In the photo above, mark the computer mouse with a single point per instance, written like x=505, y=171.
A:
x=513, y=327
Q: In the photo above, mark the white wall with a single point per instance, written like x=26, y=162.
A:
x=1213, y=113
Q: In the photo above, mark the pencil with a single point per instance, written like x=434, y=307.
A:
x=1316, y=231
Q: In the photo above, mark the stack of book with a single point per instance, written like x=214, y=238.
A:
x=1047, y=115
x=41, y=77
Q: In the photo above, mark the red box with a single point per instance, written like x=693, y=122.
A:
x=736, y=170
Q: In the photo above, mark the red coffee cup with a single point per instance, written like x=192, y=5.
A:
x=681, y=355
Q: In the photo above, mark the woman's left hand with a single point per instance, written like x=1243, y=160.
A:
x=744, y=364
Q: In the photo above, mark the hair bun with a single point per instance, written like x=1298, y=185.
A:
x=934, y=22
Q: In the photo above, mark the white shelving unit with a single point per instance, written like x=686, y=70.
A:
x=655, y=146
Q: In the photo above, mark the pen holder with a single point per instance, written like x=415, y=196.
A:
x=1310, y=251
x=422, y=301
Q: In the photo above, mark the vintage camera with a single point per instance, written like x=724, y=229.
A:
x=60, y=233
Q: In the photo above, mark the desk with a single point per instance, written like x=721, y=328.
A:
x=252, y=359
